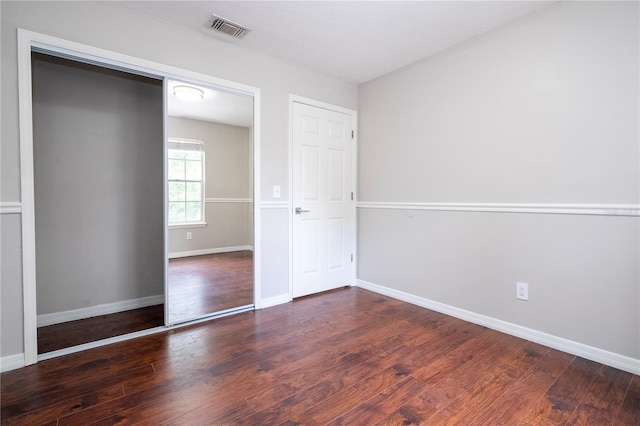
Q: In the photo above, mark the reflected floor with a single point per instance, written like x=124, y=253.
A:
x=201, y=285
x=198, y=285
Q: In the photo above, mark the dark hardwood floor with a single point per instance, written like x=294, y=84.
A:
x=73, y=333
x=344, y=357
x=198, y=285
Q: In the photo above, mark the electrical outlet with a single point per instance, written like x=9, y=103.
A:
x=188, y=235
x=522, y=291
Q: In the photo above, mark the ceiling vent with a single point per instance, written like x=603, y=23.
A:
x=228, y=27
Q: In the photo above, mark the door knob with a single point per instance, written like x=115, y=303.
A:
x=300, y=211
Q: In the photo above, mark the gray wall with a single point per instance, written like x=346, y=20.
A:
x=228, y=174
x=544, y=110
x=112, y=27
x=10, y=295
x=98, y=185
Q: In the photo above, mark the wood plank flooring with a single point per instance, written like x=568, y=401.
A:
x=73, y=333
x=198, y=285
x=344, y=357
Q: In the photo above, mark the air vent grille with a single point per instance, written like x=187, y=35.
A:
x=228, y=27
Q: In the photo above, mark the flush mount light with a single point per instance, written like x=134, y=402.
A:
x=188, y=93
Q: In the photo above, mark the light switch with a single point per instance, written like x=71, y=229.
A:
x=276, y=191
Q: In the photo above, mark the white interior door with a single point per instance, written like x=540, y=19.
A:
x=323, y=192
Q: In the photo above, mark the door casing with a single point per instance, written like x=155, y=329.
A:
x=29, y=41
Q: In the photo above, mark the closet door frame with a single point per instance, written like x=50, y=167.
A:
x=28, y=42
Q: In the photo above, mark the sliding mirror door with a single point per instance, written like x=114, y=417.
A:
x=209, y=202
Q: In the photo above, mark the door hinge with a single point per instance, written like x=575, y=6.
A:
x=351, y=257
x=352, y=134
x=352, y=196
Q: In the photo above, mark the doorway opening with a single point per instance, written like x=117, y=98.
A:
x=97, y=152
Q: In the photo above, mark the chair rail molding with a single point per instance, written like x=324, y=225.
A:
x=275, y=205
x=228, y=200
x=536, y=208
x=10, y=207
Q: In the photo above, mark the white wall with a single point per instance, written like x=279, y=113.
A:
x=544, y=110
x=111, y=27
x=228, y=176
x=98, y=158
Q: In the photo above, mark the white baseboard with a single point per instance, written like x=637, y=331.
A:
x=209, y=251
x=612, y=359
x=92, y=311
x=11, y=362
x=275, y=300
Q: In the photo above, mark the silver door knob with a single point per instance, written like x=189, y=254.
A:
x=300, y=211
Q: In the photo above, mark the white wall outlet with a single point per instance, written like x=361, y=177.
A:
x=189, y=235
x=276, y=191
x=522, y=291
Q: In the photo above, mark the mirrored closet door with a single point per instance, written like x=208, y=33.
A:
x=209, y=201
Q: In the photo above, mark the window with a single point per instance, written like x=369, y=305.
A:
x=185, y=171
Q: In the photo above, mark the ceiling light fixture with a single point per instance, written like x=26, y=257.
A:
x=188, y=93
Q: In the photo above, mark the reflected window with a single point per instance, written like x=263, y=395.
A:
x=185, y=171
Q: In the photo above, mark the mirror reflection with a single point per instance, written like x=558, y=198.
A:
x=209, y=201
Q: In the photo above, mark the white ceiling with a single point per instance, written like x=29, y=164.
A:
x=354, y=41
